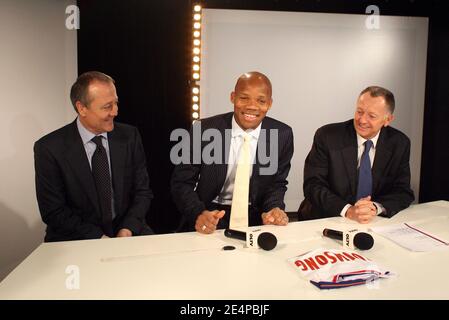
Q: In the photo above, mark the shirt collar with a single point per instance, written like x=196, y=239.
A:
x=238, y=131
x=361, y=140
x=85, y=134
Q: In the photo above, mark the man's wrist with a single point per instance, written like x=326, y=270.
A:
x=379, y=208
x=344, y=211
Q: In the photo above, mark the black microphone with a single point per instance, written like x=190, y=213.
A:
x=265, y=240
x=235, y=234
x=361, y=240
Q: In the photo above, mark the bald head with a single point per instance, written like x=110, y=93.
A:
x=252, y=99
x=253, y=78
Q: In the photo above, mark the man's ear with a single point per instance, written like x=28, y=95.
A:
x=232, y=97
x=270, y=103
x=389, y=117
x=80, y=108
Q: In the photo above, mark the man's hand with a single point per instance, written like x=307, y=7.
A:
x=104, y=237
x=207, y=221
x=275, y=216
x=124, y=233
x=363, y=211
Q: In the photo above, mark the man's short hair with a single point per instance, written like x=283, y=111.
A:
x=376, y=91
x=80, y=89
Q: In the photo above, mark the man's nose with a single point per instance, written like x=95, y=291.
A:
x=252, y=104
x=114, y=111
x=362, y=118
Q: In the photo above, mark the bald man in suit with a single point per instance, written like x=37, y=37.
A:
x=203, y=192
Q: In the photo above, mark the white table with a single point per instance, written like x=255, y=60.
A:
x=194, y=266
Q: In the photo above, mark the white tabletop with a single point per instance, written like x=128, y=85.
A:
x=194, y=266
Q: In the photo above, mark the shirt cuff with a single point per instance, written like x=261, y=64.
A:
x=380, y=208
x=343, y=211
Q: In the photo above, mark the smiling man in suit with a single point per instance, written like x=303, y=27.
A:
x=91, y=176
x=204, y=191
x=359, y=168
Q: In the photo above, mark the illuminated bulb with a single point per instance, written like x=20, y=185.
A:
x=196, y=42
x=195, y=115
x=195, y=98
x=196, y=34
x=196, y=16
x=196, y=75
x=196, y=67
x=195, y=107
x=195, y=90
x=196, y=50
x=197, y=8
x=196, y=59
x=197, y=25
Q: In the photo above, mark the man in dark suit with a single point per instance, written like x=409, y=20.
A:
x=91, y=176
x=203, y=191
x=359, y=168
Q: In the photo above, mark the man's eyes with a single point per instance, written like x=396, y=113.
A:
x=259, y=101
x=108, y=106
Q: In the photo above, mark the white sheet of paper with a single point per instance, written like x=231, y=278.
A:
x=411, y=237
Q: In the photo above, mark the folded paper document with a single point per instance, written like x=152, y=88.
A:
x=411, y=237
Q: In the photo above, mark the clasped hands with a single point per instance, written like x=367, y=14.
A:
x=207, y=221
x=122, y=233
x=363, y=211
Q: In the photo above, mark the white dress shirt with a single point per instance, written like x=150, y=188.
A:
x=90, y=146
x=237, y=133
x=372, y=154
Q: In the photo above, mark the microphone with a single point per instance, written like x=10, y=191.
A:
x=254, y=239
x=351, y=238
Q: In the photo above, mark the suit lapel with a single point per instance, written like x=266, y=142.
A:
x=349, y=153
x=117, y=151
x=222, y=169
x=381, y=159
x=77, y=159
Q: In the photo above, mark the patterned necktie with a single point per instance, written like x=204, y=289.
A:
x=240, y=195
x=102, y=178
x=365, y=185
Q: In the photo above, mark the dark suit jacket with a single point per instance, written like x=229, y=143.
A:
x=65, y=186
x=194, y=186
x=330, y=171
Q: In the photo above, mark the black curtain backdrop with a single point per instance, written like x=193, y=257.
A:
x=146, y=47
x=435, y=151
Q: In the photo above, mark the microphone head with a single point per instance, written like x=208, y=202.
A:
x=363, y=241
x=267, y=241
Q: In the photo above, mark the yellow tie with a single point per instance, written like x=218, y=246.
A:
x=240, y=196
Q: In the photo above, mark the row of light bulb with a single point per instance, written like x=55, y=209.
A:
x=196, y=59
